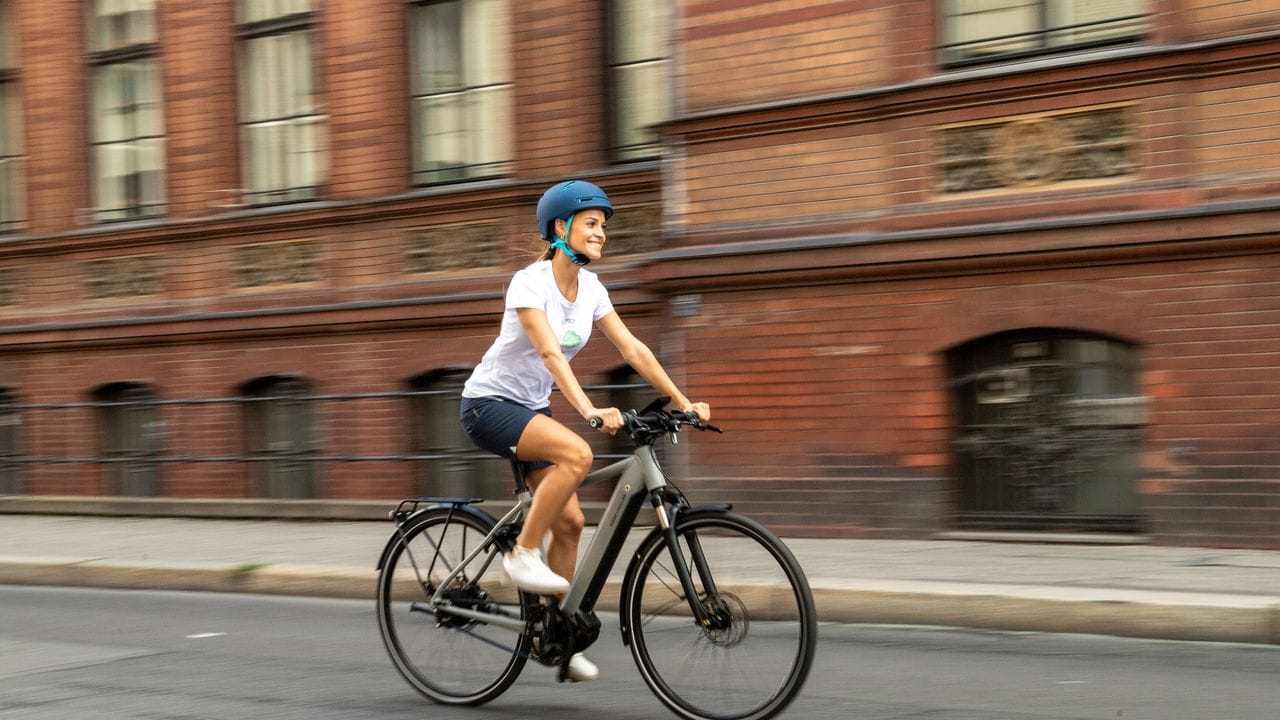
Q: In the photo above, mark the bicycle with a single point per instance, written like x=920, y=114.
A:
x=715, y=609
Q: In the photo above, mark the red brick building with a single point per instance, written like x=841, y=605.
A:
x=938, y=265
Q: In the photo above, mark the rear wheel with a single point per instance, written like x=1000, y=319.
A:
x=449, y=658
x=752, y=657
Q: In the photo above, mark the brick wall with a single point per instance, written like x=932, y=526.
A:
x=364, y=44
x=198, y=70
x=1225, y=18
x=842, y=389
x=742, y=52
x=54, y=90
x=1233, y=135
x=815, y=262
x=559, y=56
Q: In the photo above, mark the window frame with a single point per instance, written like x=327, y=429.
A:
x=301, y=146
x=621, y=151
x=472, y=166
x=141, y=199
x=12, y=155
x=950, y=59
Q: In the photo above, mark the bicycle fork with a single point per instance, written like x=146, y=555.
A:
x=667, y=523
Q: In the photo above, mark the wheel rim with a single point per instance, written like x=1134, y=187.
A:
x=448, y=659
x=752, y=660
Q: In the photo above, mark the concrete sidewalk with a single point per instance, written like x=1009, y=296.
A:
x=1122, y=589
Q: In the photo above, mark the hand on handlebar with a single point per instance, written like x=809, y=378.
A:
x=701, y=409
x=608, y=420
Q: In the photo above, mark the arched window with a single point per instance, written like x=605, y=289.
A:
x=282, y=436
x=1048, y=431
x=131, y=437
x=10, y=423
x=454, y=466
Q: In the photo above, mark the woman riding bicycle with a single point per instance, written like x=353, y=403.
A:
x=551, y=306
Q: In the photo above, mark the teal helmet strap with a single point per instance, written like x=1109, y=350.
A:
x=562, y=244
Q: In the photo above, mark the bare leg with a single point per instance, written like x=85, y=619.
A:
x=566, y=531
x=555, y=505
x=547, y=439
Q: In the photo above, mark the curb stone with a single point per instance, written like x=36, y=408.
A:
x=1157, y=615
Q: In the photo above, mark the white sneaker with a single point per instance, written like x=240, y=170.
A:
x=530, y=573
x=581, y=669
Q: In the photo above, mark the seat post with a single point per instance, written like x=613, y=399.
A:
x=517, y=472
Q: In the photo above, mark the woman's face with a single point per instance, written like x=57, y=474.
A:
x=586, y=236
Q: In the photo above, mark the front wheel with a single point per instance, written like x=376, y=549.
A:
x=451, y=659
x=751, y=658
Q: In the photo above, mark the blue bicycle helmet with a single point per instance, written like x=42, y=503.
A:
x=562, y=200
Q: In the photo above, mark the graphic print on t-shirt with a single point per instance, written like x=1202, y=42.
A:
x=570, y=339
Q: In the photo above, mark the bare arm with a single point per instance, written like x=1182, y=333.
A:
x=641, y=358
x=538, y=328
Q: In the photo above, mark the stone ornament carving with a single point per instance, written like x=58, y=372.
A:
x=454, y=247
x=1034, y=151
x=282, y=263
x=122, y=277
x=1028, y=151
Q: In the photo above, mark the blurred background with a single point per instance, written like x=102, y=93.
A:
x=952, y=268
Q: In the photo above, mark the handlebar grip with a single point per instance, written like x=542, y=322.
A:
x=596, y=423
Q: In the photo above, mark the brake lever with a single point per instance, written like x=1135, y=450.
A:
x=694, y=421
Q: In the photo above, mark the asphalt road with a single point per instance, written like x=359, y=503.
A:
x=70, y=654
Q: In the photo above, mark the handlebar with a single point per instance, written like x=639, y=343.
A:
x=652, y=422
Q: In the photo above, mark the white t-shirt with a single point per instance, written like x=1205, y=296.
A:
x=512, y=367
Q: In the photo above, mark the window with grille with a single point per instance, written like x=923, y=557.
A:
x=461, y=90
x=131, y=438
x=453, y=465
x=281, y=123
x=127, y=121
x=10, y=450
x=639, y=75
x=975, y=31
x=282, y=436
x=1048, y=432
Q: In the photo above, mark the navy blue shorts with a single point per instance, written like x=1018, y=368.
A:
x=495, y=424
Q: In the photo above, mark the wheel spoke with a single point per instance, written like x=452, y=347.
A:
x=447, y=656
x=739, y=667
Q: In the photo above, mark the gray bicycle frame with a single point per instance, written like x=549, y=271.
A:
x=638, y=477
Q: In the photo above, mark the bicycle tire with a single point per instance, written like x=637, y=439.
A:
x=755, y=663
x=447, y=658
